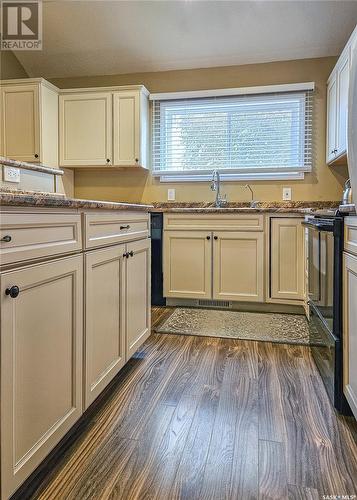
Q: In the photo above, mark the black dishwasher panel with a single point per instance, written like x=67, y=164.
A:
x=157, y=298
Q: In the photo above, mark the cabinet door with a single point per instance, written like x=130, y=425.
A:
x=41, y=364
x=86, y=129
x=126, y=128
x=350, y=331
x=238, y=266
x=342, y=105
x=137, y=295
x=331, y=119
x=104, y=318
x=20, y=122
x=187, y=264
x=287, y=258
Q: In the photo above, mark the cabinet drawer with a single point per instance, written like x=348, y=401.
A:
x=36, y=235
x=351, y=235
x=214, y=222
x=106, y=229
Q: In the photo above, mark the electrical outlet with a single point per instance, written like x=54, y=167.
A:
x=11, y=174
x=286, y=194
x=171, y=194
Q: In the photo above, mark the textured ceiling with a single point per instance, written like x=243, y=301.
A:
x=83, y=38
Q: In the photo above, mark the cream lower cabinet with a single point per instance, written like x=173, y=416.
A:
x=188, y=264
x=350, y=330
x=137, y=295
x=104, y=318
x=226, y=265
x=286, y=258
x=117, y=310
x=41, y=364
x=238, y=266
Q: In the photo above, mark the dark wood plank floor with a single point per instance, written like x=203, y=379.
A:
x=203, y=418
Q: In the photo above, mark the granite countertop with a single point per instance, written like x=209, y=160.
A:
x=51, y=200
x=30, y=166
x=37, y=199
x=300, y=207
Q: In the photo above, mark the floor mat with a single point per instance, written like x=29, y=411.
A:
x=268, y=327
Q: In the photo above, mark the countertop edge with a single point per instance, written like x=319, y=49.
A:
x=30, y=166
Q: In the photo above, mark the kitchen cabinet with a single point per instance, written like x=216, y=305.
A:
x=350, y=330
x=331, y=149
x=130, y=122
x=104, y=318
x=85, y=129
x=238, y=266
x=137, y=295
x=41, y=363
x=337, y=105
x=104, y=127
x=29, y=121
x=187, y=264
x=70, y=326
x=286, y=258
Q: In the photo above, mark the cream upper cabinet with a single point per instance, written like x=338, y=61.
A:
x=342, y=103
x=187, y=264
x=104, y=127
x=41, y=363
x=337, y=105
x=287, y=258
x=331, y=149
x=86, y=129
x=130, y=123
x=29, y=121
x=350, y=330
x=238, y=266
x=104, y=318
x=137, y=295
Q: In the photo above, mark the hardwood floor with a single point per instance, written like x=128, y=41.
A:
x=203, y=418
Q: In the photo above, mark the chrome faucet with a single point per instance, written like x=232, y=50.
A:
x=216, y=186
x=252, y=202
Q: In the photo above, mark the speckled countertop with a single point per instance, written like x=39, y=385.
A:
x=50, y=200
x=301, y=207
x=36, y=199
x=37, y=167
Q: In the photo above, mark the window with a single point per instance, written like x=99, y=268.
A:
x=251, y=136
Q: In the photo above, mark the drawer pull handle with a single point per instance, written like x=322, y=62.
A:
x=13, y=291
x=6, y=238
x=125, y=227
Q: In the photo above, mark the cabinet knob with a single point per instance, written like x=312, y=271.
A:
x=13, y=291
x=137, y=160
x=208, y=237
x=125, y=255
x=125, y=227
x=6, y=238
x=36, y=155
x=131, y=253
x=108, y=160
x=215, y=237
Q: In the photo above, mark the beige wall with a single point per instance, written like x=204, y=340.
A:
x=10, y=66
x=324, y=183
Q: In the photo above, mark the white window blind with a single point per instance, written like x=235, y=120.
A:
x=249, y=135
